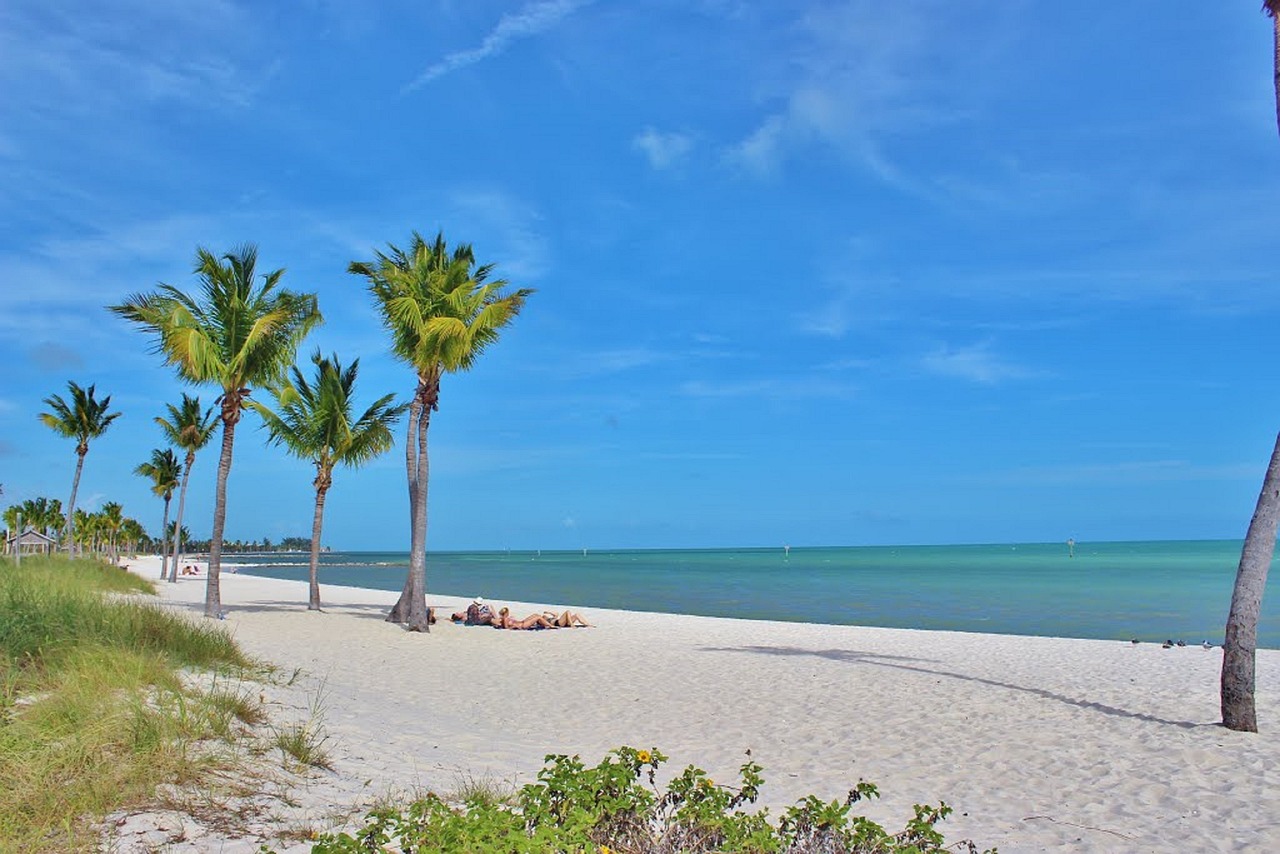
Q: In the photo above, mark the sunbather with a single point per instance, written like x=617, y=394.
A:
x=566, y=620
x=504, y=620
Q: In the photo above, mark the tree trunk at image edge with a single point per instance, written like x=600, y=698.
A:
x=213, y=589
x=1241, y=643
x=177, y=522
x=164, y=538
x=71, y=505
x=322, y=484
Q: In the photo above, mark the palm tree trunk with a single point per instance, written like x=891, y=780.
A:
x=177, y=523
x=1241, y=643
x=418, y=618
x=317, y=521
x=164, y=536
x=213, y=590
x=399, y=611
x=71, y=505
x=1273, y=9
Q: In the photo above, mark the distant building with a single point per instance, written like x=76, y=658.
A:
x=30, y=541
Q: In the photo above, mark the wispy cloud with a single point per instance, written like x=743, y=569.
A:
x=529, y=21
x=1138, y=471
x=663, y=150
x=976, y=363
x=516, y=229
x=772, y=388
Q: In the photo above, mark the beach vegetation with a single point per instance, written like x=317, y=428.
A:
x=189, y=428
x=442, y=311
x=95, y=707
x=314, y=420
x=84, y=418
x=618, y=807
x=234, y=334
x=164, y=472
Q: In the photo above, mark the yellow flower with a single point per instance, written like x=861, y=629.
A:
x=644, y=756
x=707, y=783
x=604, y=849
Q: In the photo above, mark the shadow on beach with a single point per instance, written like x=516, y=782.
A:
x=850, y=656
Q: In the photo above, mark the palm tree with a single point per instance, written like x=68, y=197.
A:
x=442, y=314
x=112, y=524
x=315, y=422
x=83, y=419
x=190, y=429
x=164, y=470
x=1240, y=644
x=232, y=335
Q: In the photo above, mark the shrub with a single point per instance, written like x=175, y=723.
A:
x=617, y=807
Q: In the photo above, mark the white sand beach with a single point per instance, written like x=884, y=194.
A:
x=1040, y=744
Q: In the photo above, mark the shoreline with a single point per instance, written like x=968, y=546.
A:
x=1037, y=742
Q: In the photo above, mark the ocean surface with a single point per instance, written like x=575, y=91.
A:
x=1152, y=591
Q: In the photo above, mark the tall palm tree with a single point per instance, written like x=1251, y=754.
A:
x=189, y=429
x=83, y=419
x=442, y=313
x=315, y=422
x=234, y=335
x=164, y=470
x=1240, y=644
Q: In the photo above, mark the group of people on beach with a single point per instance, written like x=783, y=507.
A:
x=481, y=613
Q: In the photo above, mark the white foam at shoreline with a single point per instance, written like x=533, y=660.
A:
x=1038, y=743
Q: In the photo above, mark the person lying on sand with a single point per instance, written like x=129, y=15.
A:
x=567, y=620
x=504, y=620
x=478, y=613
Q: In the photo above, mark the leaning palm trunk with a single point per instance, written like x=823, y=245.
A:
x=213, y=590
x=400, y=611
x=164, y=537
x=177, y=523
x=1240, y=645
x=323, y=481
x=411, y=609
x=71, y=505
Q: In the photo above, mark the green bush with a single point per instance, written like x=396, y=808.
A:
x=617, y=807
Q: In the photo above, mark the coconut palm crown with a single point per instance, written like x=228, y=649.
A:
x=316, y=422
x=233, y=334
x=84, y=418
x=442, y=311
x=165, y=471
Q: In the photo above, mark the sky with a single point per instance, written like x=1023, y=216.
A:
x=814, y=273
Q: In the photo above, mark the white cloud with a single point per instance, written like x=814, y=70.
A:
x=516, y=230
x=976, y=364
x=664, y=150
x=529, y=21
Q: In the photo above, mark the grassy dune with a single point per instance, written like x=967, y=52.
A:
x=93, y=711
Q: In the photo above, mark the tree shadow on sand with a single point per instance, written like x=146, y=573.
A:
x=899, y=662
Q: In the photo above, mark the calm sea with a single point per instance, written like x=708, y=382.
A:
x=1146, y=590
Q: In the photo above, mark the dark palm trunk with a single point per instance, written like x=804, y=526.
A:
x=1273, y=8
x=418, y=618
x=164, y=535
x=71, y=505
x=400, y=610
x=323, y=481
x=213, y=590
x=177, y=523
x=1240, y=645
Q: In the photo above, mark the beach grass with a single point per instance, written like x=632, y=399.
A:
x=95, y=711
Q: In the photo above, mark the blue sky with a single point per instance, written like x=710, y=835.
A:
x=815, y=273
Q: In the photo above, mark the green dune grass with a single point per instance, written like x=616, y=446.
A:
x=93, y=712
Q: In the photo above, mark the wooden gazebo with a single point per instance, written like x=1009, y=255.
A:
x=29, y=542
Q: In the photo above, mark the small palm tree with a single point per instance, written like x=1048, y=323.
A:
x=315, y=422
x=188, y=428
x=442, y=313
x=112, y=524
x=164, y=470
x=83, y=419
x=234, y=335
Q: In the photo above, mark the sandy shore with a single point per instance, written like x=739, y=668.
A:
x=1040, y=744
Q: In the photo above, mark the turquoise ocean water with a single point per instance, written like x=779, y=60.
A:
x=1146, y=590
